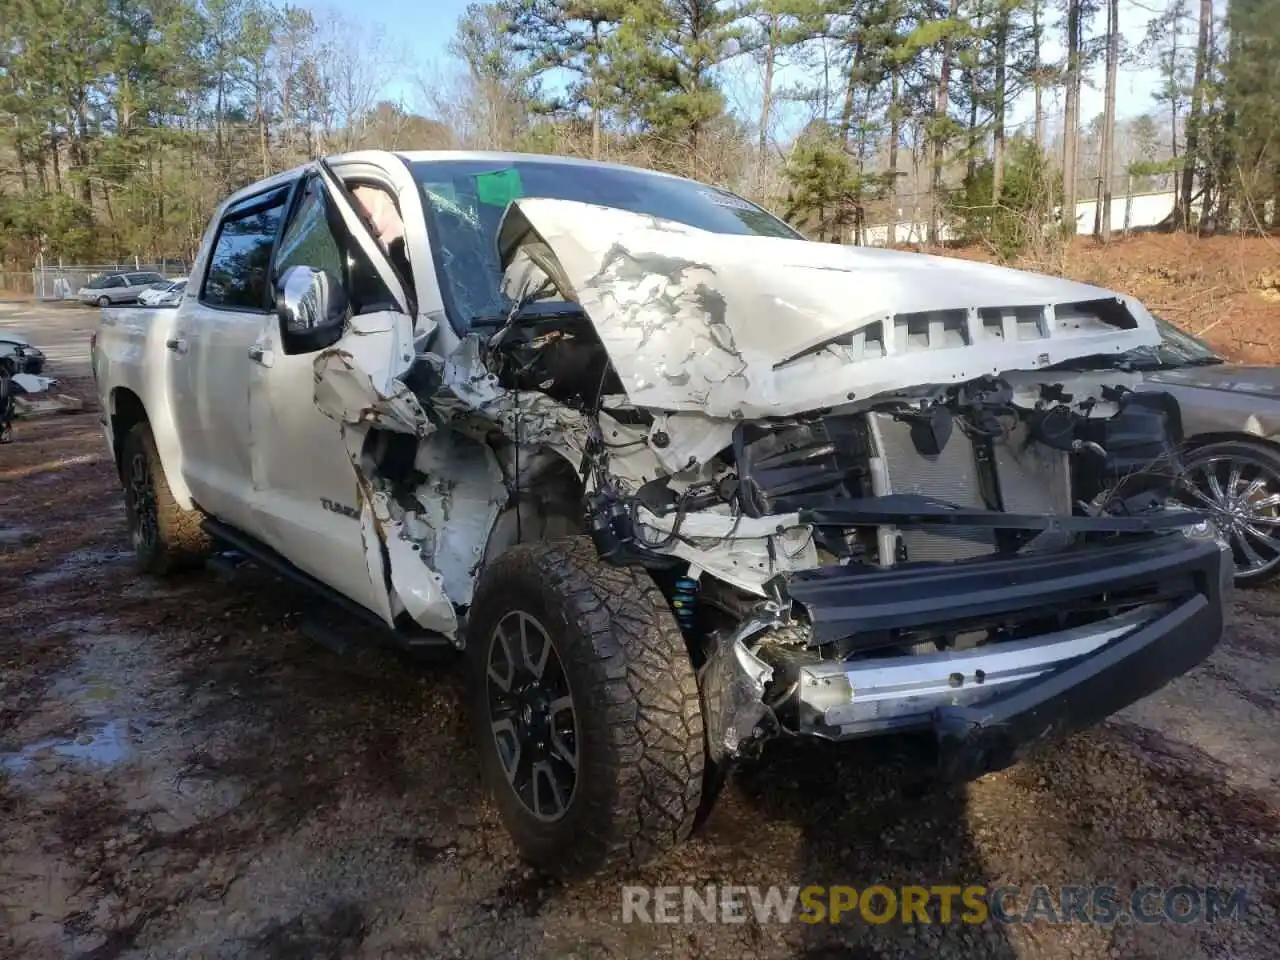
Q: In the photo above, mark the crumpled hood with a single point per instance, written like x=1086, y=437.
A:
x=749, y=326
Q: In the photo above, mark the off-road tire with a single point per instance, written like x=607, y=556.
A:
x=641, y=748
x=177, y=541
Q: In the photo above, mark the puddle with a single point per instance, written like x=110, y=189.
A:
x=15, y=538
x=105, y=745
x=75, y=563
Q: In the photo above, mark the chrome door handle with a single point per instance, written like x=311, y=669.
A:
x=177, y=345
x=260, y=354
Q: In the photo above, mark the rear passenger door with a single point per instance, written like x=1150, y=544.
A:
x=209, y=355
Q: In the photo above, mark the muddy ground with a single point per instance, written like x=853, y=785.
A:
x=183, y=773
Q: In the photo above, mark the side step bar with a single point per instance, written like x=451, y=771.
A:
x=414, y=641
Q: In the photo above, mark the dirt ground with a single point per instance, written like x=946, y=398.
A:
x=183, y=773
x=1224, y=289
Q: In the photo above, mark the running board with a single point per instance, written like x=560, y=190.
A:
x=417, y=641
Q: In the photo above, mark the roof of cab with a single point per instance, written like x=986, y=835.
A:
x=387, y=157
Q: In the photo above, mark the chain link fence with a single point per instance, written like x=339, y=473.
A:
x=62, y=282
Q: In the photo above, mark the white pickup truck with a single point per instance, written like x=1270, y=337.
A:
x=676, y=480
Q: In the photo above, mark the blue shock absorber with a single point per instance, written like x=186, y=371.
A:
x=684, y=600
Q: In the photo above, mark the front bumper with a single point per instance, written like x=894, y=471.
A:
x=989, y=703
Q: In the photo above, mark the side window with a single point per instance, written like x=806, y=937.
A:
x=311, y=240
x=237, y=274
x=381, y=213
x=308, y=239
x=114, y=282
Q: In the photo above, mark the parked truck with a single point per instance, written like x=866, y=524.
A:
x=676, y=481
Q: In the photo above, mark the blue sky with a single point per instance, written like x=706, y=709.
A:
x=425, y=27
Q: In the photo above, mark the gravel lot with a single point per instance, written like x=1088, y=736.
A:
x=183, y=773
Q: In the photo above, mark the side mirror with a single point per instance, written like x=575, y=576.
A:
x=311, y=304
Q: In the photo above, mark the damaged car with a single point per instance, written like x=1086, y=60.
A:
x=677, y=482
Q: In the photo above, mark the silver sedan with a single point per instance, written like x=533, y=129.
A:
x=124, y=287
x=1231, y=422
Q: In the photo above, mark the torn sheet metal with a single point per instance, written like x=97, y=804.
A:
x=526, y=417
x=457, y=503
x=733, y=686
x=744, y=326
x=434, y=533
x=358, y=380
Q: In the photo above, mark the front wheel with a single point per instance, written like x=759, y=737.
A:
x=586, y=709
x=104, y=301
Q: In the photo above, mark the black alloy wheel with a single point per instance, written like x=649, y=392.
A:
x=140, y=503
x=531, y=714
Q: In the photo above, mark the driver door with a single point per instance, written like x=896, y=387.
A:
x=307, y=499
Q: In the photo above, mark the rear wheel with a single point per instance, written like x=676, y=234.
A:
x=586, y=708
x=1238, y=484
x=166, y=538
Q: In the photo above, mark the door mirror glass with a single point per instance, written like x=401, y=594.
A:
x=310, y=302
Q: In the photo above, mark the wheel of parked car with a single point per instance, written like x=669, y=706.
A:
x=585, y=706
x=166, y=538
x=104, y=301
x=1238, y=482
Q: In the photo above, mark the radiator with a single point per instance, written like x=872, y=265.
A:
x=1032, y=479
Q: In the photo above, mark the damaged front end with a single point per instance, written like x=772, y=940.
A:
x=882, y=491
x=999, y=573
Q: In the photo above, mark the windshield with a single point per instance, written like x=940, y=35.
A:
x=464, y=202
x=1177, y=349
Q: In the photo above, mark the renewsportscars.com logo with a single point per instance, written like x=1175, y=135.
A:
x=972, y=904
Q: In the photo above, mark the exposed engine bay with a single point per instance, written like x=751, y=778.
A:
x=808, y=494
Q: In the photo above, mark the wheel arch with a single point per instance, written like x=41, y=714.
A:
x=127, y=410
x=1201, y=440
x=548, y=502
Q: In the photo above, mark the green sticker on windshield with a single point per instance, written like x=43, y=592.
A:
x=499, y=188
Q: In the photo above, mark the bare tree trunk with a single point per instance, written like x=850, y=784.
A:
x=766, y=96
x=1128, y=204
x=81, y=146
x=850, y=93
x=1071, y=122
x=262, y=131
x=1212, y=165
x=1107, y=163
x=941, y=105
x=1173, y=101
x=895, y=123
x=1037, y=68
x=971, y=81
x=56, y=166
x=1191, y=156
x=595, y=89
x=997, y=136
